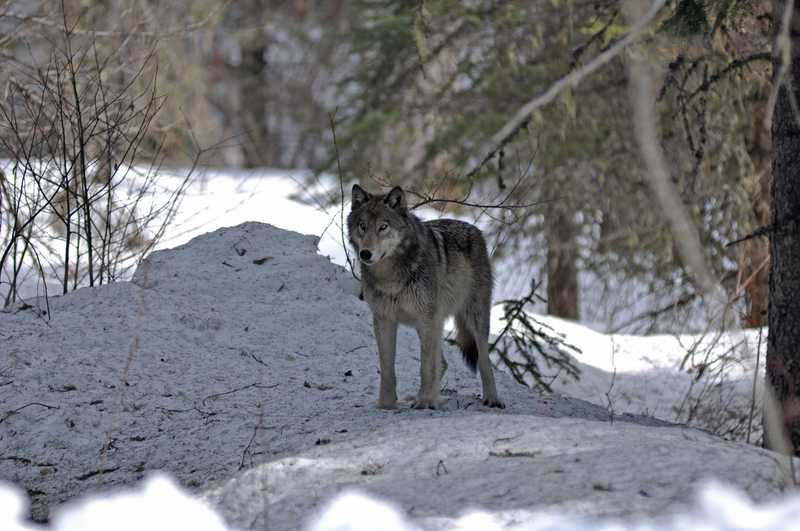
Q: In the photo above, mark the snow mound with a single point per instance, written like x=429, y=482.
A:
x=513, y=467
x=237, y=363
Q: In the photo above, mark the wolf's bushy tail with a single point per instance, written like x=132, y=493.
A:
x=466, y=342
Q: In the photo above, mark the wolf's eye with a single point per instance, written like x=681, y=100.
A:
x=384, y=226
x=362, y=225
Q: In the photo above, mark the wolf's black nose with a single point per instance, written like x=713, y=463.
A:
x=365, y=254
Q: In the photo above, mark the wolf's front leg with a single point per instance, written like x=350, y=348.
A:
x=431, y=364
x=386, y=337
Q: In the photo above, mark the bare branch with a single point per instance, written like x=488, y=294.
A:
x=656, y=174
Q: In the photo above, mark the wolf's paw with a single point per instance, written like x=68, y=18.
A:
x=494, y=401
x=425, y=403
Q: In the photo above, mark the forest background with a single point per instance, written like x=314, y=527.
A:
x=419, y=88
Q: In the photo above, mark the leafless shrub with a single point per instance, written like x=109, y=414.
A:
x=83, y=194
x=725, y=394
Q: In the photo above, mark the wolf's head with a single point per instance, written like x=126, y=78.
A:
x=377, y=224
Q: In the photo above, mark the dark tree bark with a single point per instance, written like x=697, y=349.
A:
x=759, y=148
x=756, y=253
x=562, y=269
x=783, y=353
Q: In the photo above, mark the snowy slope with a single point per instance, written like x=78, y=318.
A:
x=511, y=466
x=644, y=375
x=249, y=365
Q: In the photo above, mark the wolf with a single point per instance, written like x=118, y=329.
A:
x=419, y=274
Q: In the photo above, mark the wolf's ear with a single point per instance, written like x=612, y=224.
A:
x=359, y=197
x=396, y=199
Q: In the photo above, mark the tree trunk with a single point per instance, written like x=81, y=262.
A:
x=759, y=147
x=783, y=352
x=562, y=270
x=756, y=254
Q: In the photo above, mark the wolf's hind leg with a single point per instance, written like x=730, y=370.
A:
x=490, y=396
x=473, y=338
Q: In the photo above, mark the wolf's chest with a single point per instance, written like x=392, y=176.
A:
x=406, y=306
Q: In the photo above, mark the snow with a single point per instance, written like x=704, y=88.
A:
x=719, y=508
x=637, y=374
x=157, y=503
x=230, y=198
x=247, y=376
x=504, y=465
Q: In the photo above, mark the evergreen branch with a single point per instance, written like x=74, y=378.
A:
x=576, y=76
x=500, y=146
x=524, y=337
x=576, y=55
x=736, y=63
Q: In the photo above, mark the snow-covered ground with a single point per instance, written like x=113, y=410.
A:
x=238, y=366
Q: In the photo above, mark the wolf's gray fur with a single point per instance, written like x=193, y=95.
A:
x=419, y=274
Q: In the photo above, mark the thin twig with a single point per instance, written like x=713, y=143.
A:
x=761, y=231
x=610, y=404
x=430, y=200
x=94, y=33
x=23, y=407
x=341, y=189
x=755, y=382
x=124, y=380
x=257, y=385
x=265, y=456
